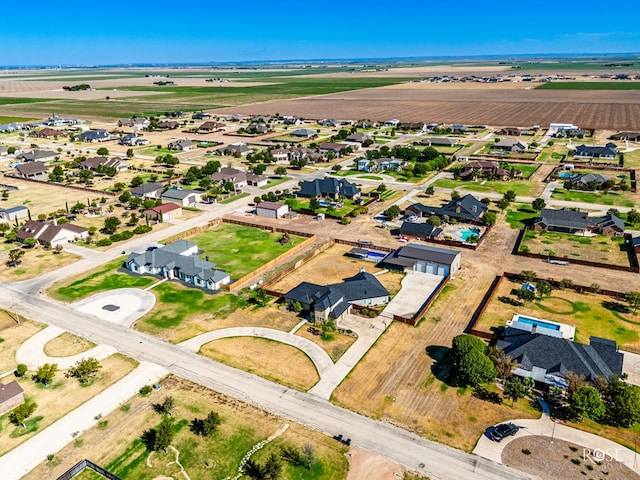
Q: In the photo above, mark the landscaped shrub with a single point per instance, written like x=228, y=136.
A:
x=140, y=229
x=104, y=242
x=21, y=369
x=146, y=390
x=526, y=451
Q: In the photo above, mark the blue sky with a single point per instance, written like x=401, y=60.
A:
x=104, y=32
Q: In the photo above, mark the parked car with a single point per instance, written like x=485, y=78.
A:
x=503, y=430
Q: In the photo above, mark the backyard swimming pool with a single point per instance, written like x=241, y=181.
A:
x=565, y=175
x=538, y=323
x=467, y=232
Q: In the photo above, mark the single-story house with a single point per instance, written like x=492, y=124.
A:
x=37, y=156
x=201, y=115
x=179, y=260
x=458, y=129
x=45, y=232
x=412, y=126
x=151, y=190
x=13, y=127
x=94, y=162
x=234, y=149
x=419, y=231
x=305, y=133
x=34, y=170
x=587, y=180
x=574, y=132
x=466, y=209
x=331, y=147
x=330, y=122
x=334, y=301
x=94, y=136
x=182, y=145
x=610, y=150
x=510, y=131
x=164, y=212
x=272, y=209
x=439, y=141
x=135, y=123
x=573, y=221
x=257, y=129
x=184, y=198
x=14, y=213
x=629, y=136
x=394, y=122
x=471, y=171
x=511, y=145
x=549, y=359
x=380, y=164
x=328, y=187
x=291, y=120
x=359, y=137
x=133, y=140
x=11, y=395
x=421, y=258
x=47, y=132
x=210, y=126
x=239, y=178
x=168, y=125
x=554, y=128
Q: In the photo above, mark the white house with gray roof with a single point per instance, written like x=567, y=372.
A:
x=422, y=258
x=178, y=261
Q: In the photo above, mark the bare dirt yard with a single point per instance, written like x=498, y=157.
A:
x=366, y=465
x=551, y=460
x=332, y=266
x=515, y=104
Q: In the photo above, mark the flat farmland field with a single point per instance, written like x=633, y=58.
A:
x=497, y=104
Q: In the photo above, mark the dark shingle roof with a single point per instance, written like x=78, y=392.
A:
x=560, y=356
x=609, y=220
x=147, y=188
x=10, y=390
x=424, y=252
x=466, y=208
x=563, y=218
x=32, y=168
x=419, y=229
x=328, y=186
x=588, y=177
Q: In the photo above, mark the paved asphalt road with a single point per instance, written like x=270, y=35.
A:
x=408, y=449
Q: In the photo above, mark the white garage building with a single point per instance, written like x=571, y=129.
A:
x=271, y=209
x=422, y=258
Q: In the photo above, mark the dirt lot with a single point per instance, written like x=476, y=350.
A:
x=366, y=465
x=272, y=360
x=553, y=460
x=476, y=103
x=332, y=266
x=35, y=262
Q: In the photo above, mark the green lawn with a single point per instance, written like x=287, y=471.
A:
x=520, y=187
x=527, y=170
x=4, y=119
x=598, y=198
x=370, y=177
x=103, y=278
x=303, y=204
x=16, y=100
x=175, y=303
x=272, y=182
x=518, y=216
x=234, y=198
x=611, y=85
x=239, y=250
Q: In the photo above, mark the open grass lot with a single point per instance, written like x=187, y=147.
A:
x=66, y=345
x=600, y=248
x=520, y=215
x=332, y=266
x=618, y=199
x=592, y=314
x=106, y=277
x=14, y=335
x=274, y=181
x=118, y=447
x=4, y=119
x=269, y=359
x=521, y=187
x=302, y=203
x=35, y=262
x=59, y=398
x=239, y=250
x=553, y=153
x=613, y=85
x=632, y=158
x=182, y=312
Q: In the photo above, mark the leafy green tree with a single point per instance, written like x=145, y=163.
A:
x=489, y=218
x=15, y=256
x=4, y=228
x=119, y=186
x=314, y=205
x=45, y=373
x=472, y=364
x=434, y=220
x=525, y=295
x=136, y=181
x=85, y=176
x=166, y=407
x=30, y=242
x=160, y=437
x=103, y=151
x=21, y=369
x=57, y=174
x=19, y=414
x=504, y=364
x=543, y=288
x=294, y=457
x=633, y=299
x=296, y=306
x=538, y=204
x=270, y=470
x=623, y=403
x=111, y=224
x=392, y=212
x=129, y=152
x=514, y=389
x=206, y=427
x=430, y=190
x=633, y=216
x=527, y=276
x=455, y=195
x=502, y=204
x=84, y=370
x=586, y=402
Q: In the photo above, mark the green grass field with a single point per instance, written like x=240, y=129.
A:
x=520, y=215
x=14, y=119
x=17, y=101
x=239, y=250
x=599, y=198
x=272, y=182
x=521, y=187
x=612, y=85
x=101, y=279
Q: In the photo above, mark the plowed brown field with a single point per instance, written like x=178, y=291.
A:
x=467, y=103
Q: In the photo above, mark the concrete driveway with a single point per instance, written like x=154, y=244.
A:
x=416, y=288
x=122, y=306
x=31, y=352
x=316, y=354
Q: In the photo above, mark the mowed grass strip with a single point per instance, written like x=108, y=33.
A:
x=520, y=187
x=103, y=278
x=598, y=198
x=613, y=85
x=266, y=358
x=119, y=449
x=239, y=250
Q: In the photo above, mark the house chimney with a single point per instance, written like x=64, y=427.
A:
x=534, y=327
x=474, y=208
x=55, y=221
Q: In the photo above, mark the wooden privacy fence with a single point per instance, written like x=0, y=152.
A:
x=79, y=467
x=63, y=185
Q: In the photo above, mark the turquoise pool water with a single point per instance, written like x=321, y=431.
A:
x=467, y=232
x=565, y=175
x=538, y=323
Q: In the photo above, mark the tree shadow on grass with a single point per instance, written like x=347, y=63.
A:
x=483, y=394
x=442, y=367
x=616, y=307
